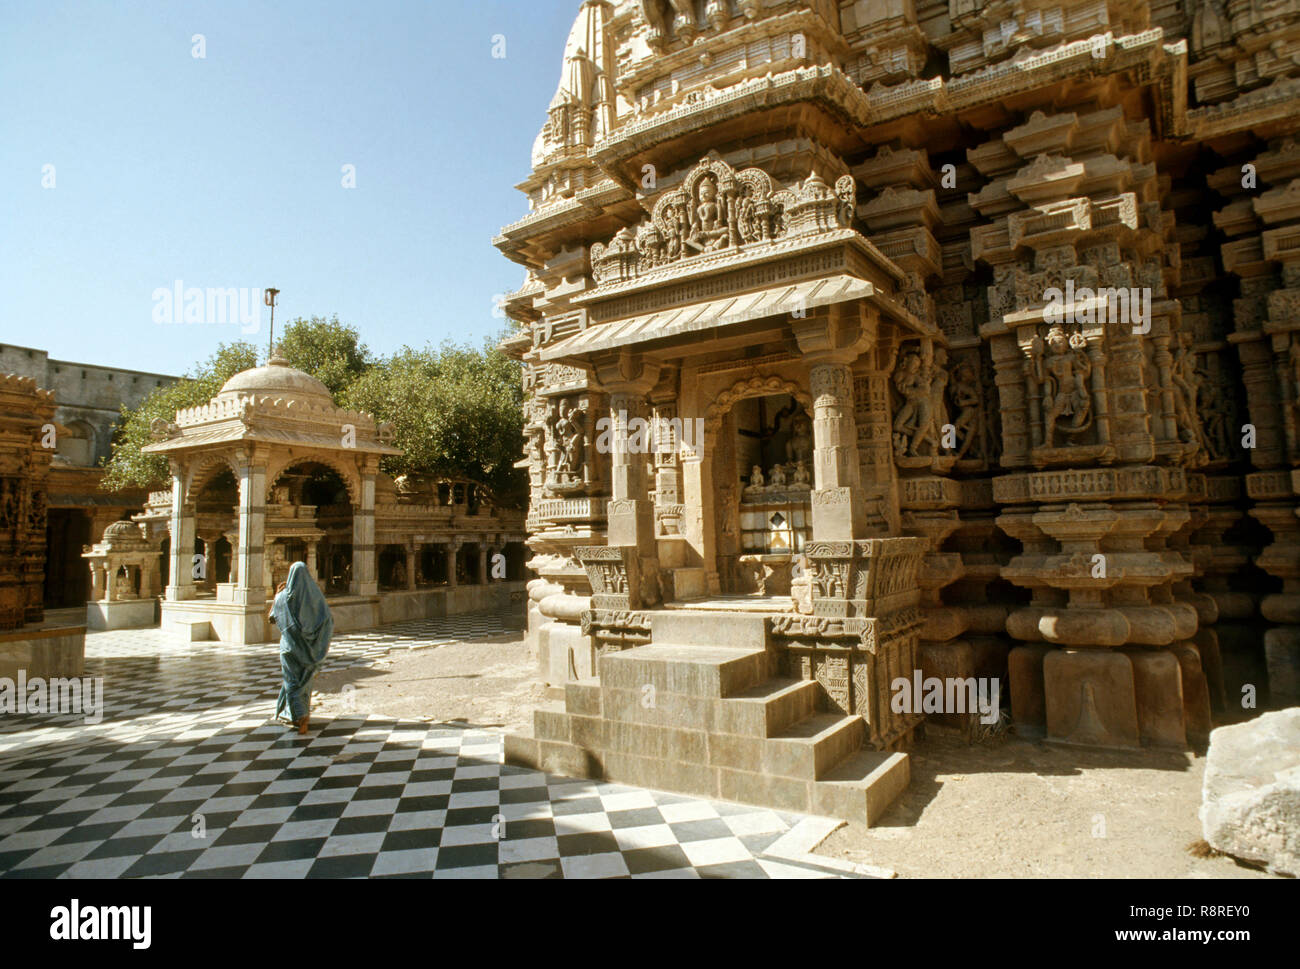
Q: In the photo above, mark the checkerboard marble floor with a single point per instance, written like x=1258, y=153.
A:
x=186, y=776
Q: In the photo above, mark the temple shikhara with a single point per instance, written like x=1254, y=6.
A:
x=980, y=319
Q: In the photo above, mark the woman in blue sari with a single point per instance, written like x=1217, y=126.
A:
x=305, y=629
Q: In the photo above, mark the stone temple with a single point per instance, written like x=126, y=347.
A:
x=868, y=339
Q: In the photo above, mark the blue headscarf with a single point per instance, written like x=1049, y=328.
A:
x=305, y=622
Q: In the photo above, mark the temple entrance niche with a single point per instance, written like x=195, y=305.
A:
x=763, y=489
x=309, y=519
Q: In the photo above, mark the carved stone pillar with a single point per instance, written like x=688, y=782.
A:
x=365, y=580
x=837, y=512
x=452, y=551
x=630, y=535
x=250, y=588
x=97, y=581
x=233, y=539
x=181, y=571
x=410, y=565
x=311, y=560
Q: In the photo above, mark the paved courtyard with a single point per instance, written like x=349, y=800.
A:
x=187, y=775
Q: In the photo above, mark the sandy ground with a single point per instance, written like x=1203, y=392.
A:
x=1021, y=809
x=1011, y=808
x=484, y=683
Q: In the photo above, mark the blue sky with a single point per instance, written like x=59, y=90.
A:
x=226, y=171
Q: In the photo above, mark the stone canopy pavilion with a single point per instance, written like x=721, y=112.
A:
x=974, y=304
x=272, y=471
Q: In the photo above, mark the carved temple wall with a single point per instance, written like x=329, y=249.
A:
x=1070, y=371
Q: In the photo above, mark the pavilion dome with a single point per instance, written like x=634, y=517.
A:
x=277, y=379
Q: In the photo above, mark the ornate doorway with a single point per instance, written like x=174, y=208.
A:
x=762, y=484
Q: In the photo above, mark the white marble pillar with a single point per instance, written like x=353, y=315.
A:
x=250, y=587
x=181, y=575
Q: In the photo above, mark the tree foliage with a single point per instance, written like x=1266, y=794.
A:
x=456, y=409
x=127, y=466
x=327, y=349
x=456, y=412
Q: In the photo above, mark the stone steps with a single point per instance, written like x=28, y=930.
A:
x=713, y=721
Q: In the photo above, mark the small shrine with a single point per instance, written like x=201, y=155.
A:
x=126, y=579
x=270, y=472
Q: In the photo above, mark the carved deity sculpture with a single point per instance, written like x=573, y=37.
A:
x=569, y=430
x=969, y=425
x=8, y=503
x=708, y=227
x=801, y=475
x=1215, y=412
x=123, y=588
x=1186, y=380
x=756, y=477
x=914, y=420
x=1061, y=369
x=800, y=446
x=777, y=477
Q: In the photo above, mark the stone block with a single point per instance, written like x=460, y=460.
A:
x=1028, y=697
x=810, y=748
x=736, y=752
x=567, y=760
x=1282, y=658
x=589, y=733
x=550, y=723
x=1196, y=694
x=764, y=710
x=949, y=661
x=863, y=787
x=1158, y=684
x=582, y=697
x=767, y=790
x=1207, y=644
x=1250, y=799
x=1090, y=698
x=520, y=751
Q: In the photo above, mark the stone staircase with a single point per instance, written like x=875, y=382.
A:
x=686, y=714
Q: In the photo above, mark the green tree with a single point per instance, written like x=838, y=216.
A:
x=127, y=466
x=327, y=349
x=457, y=411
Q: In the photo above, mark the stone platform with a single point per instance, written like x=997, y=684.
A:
x=44, y=649
x=216, y=618
x=687, y=715
x=122, y=614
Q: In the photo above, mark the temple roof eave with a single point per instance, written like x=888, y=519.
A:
x=202, y=441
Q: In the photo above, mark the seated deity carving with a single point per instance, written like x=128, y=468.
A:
x=708, y=226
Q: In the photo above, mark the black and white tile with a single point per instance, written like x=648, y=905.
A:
x=185, y=776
